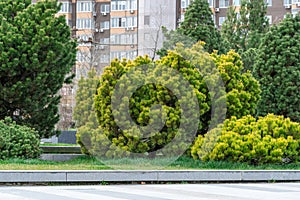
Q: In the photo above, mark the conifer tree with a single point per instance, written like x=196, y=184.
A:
x=243, y=32
x=198, y=25
x=229, y=32
x=278, y=70
x=84, y=110
x=36, y=55
x=241, y=90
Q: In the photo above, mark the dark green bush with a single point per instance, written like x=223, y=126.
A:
x=277, y=68
x=18, y=141
x=270, y=139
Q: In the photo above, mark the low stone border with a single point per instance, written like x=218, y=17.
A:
x=61, y=149
x=59, y=157
x=73, y=176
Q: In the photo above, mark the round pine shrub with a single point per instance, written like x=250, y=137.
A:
x=242, y=93
x=269, y=139
x=18, y=141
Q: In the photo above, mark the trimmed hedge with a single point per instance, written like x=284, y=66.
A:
x=18, y=141
x=270, y=139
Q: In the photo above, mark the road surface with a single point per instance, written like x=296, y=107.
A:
x=274, y=191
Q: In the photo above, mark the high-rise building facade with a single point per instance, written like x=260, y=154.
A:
x=109, y=29
x=276, y=11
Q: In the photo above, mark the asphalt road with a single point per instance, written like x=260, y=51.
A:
x=275, y=191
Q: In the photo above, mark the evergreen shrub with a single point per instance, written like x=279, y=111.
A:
x=269, y=139
x=242, y=93
x=18, y=141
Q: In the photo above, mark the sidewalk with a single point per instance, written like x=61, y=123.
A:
x=77, y=176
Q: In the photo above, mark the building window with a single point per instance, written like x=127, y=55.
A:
x=185, y=3
x=84, y=23
x=104, y=58
x=65, y=7
x=221, y=20
x=269, y=17
x=123, y=39
x=104, y=25
x=123, y=54
x=287, y=2
x=236, y=2
x=105, y=8
x=122, y=22
x=132, y=4
x=223, y=3
x=84, y=38
x=119, y=22
x=82, y=56
x=211, y=3
x=118, y=5
x=84, y=6
x=104, y=41
x=69, y=22
x=147, y=20
x=181, y=17
x=268, y=2
x=131, y=21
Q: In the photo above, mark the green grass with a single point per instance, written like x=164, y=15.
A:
x=88, y=163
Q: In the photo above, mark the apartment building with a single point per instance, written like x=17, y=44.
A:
x=277, y=9
x=109, y=29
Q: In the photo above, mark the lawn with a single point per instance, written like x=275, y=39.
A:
x=88, y=163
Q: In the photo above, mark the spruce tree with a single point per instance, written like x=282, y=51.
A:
x=229, y=33
x=278, y=70
x=199, y=25
x=36, y=55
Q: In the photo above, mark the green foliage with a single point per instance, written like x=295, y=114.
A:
x=242, y=90
x=278, y=70
x=242, y=94
x=17, y=141
x=84, y=138
x=243, y=33
x=270, y=139
x=198, y=25
x=171, y=38
x=84, y=112
x=36, y=54
x=84, y=109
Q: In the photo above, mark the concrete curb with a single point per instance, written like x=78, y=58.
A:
x=59, y=157
x=77, y=176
